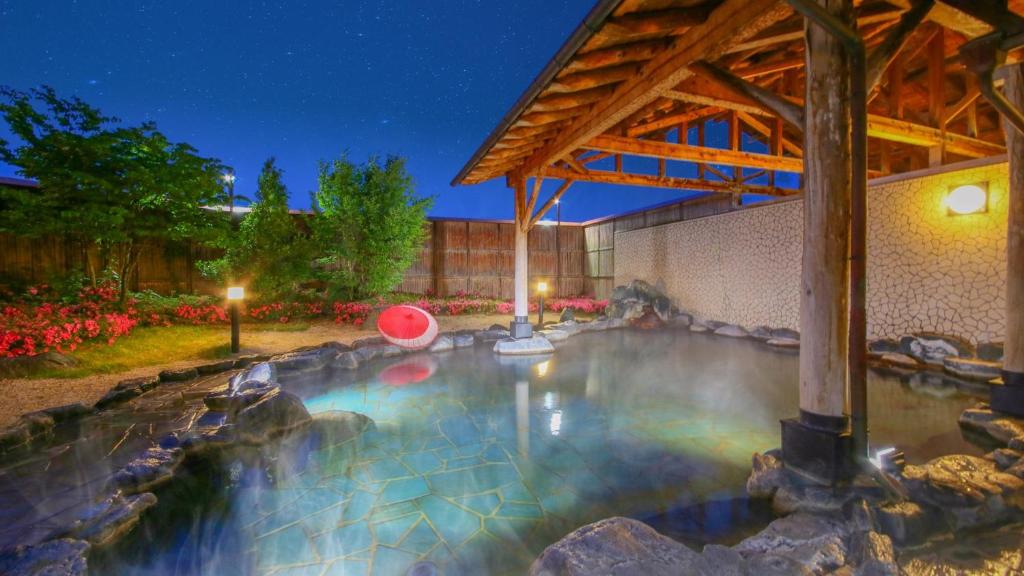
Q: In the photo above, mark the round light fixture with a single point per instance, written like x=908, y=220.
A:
x=967, y=199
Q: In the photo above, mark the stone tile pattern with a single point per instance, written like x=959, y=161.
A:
x=741, y=267
x=927, y=271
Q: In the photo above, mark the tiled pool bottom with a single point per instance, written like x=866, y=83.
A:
x=475, y=466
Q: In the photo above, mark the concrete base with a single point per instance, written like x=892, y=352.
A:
x=524, y=346
x=818, y=448
x=521, y=328
x=1008, y=397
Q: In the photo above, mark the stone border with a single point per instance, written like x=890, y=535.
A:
x=250, y=409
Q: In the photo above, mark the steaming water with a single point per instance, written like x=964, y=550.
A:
x=478, y=465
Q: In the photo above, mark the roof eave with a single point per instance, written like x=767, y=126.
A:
x=595, y=18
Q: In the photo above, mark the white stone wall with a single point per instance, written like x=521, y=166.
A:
x=927, y=271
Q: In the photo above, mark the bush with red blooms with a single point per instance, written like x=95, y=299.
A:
x=39, y=320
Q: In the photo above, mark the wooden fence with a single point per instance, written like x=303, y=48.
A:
x=472, y=256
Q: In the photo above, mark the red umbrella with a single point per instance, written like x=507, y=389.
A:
x=410, y=371
x=407, y=326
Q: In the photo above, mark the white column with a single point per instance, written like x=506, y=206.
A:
x=522, y=308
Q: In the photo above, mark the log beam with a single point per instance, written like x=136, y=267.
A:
x=1013, y=359
x=670, y=182
x=555, y=197
x=687, y=153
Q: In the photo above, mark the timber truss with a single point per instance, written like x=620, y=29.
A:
x=637, y=75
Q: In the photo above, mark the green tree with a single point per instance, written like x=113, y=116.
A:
x=369, y=224
x=269, y=253
x=101, y=182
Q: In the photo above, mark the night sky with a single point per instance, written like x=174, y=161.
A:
x=304, y=81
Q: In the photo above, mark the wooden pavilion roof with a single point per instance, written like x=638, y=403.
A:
x=637, y=72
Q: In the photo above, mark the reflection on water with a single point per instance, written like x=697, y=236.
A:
x=476, y=465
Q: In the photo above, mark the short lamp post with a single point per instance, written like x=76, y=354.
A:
x=542, y=289
x=235, y=295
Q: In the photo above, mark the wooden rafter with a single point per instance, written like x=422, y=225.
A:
x=729, y=23
x=687, y=153
x=647, y=180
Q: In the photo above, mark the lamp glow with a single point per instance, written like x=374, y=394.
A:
x=967, y=199
x=542, y=287
x=236, y=293
x=542, y=369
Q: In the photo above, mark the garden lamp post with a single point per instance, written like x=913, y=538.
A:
x=235, y=295
x=542, y=288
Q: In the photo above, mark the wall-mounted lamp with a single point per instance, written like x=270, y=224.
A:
x=235, y=295
x=967, y=199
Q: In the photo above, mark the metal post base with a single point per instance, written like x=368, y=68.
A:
x=1008, y=398
x=818, y=447
x=521, y=328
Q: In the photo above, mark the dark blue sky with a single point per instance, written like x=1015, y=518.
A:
x=306, y=80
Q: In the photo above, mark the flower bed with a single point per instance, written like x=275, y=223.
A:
x=39, y=321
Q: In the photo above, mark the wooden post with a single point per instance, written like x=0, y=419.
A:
x=818, y=443
x=1013, y=359
x=521, y=327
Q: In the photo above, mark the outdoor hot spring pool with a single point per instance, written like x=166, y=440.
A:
x=476, y=464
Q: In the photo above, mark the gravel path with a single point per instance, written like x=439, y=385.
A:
x=18, y=396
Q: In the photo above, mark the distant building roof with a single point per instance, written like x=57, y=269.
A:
x=12, y=182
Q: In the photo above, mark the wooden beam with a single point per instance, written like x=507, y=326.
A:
x=671, y=20
x=686, y=153
x=731, y=22
x=909, y=133
x=881, y=56
x=551, y=202
x=1013, y=362
x=765, y=98
x=562, y=101
x=650, y=181
x=617, y=55
x=593, y=78
x=671, y=120
x=774, y=133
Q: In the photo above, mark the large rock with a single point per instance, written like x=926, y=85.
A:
x=152, y=468
x=178, y=375
x=276, y=413
x=990, y=351
x=907, y=523
x=934, y=348
x=971, y=368
x=462, y=339
x=110, y=519
x=618, y=546
x=732, y=331
x=309, y=359
x=570, y=327
x=231, y=401
x=442, y=343
x=62, y=557
x=524, y=346
x=814, y=542
x=347, y=361
x=784, y=343
x=554, y=335
x=762, y=333
x=1000, y=427
x=897, y=360
x=884, y=346
x=638, y=299
x=489, y=337
x=971, y=491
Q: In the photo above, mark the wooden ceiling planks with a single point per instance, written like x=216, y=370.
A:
x=630, y=79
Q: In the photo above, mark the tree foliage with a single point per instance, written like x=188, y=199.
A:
x=369, y=225
x=270, y=254
x=102, y=182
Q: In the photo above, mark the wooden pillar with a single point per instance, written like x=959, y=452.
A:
x=521, y=327
x=818, y=442
x=827, y=191
x=1013, y=359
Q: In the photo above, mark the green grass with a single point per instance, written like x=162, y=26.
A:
x=152, y=346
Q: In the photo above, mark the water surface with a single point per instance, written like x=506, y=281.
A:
x=477, y=463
